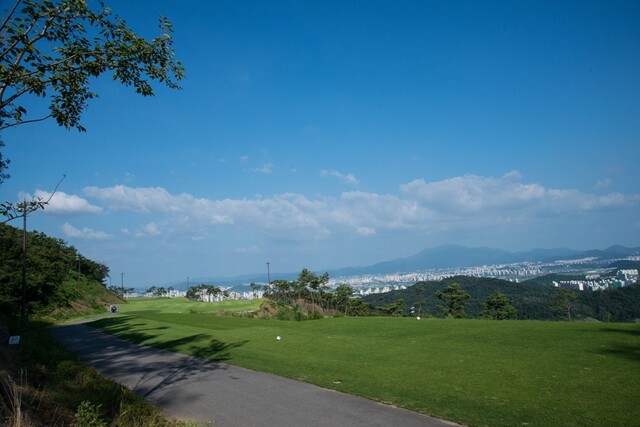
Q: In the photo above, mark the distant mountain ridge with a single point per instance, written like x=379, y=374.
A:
x=442, y=257
x=612, y=252
x=452, y=256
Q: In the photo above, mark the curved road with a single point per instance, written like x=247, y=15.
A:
x=186, y=387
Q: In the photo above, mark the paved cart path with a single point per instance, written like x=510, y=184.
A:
x=186, y=387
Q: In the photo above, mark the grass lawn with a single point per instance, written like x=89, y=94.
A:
x=183, y=305
x=475, y=372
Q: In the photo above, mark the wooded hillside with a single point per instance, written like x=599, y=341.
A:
x=58, y=278
x=532, y=299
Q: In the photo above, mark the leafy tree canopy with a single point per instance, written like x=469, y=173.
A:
x=52, y=48
x=202, y=292
x=4, y=165
x=498, y=307
x=453, y=301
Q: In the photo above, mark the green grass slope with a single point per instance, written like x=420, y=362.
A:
x=183, y=305
x=79, y=297
x=473, y=372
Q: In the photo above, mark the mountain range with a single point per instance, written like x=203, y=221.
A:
x=452, y=256
x=443, y=257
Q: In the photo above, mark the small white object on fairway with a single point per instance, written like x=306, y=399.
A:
x=418, y=317
x=278, y=338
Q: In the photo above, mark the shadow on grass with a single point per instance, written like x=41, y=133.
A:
x=630, y=351
x=120, y=327
x=634, y=332
x=146, y=370
x=197, y=346
x=625, y=351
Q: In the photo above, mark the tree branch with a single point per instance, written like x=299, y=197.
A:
x=26, y=42
x=72, y=56
x=3, y=127
x=19, y=57
x=12, y=211
x=15, y=6
x=16, y=95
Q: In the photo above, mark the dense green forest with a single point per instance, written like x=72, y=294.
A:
x=58, y=278
x=532, y=299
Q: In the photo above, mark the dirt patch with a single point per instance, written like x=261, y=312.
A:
x=267, y=310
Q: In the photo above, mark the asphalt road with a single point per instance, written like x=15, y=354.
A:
x=186, y=387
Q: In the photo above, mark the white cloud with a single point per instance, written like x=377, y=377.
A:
x=472, y=195
x=149, y=230
x=365, y=231
x=63, y=204
x=348, y=178
x=85, y=233
x=465, y=202
x=266, y=168
x=382, y=211
x=144, y=200
x=250, y=250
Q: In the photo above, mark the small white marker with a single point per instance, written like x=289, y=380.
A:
x=278, y=338
x=418, y=317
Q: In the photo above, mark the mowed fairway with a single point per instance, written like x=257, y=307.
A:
x=474, y=372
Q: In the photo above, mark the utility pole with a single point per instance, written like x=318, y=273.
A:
x=268, y=274
x=22, y=209
x=122, y=283
x=23, y=306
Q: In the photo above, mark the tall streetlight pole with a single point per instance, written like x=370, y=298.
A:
x=122, y=283
x=268, y=273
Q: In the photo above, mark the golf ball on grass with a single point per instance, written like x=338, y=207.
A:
x=418, y=317
x=278, y=338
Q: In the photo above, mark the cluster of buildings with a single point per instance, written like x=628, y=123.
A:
x=246, y=294
x=368, y=284
x=204, y=296
x=510, y=271
x=595, y=282
x=513, y=272
x=599, y=279
x=378, y=290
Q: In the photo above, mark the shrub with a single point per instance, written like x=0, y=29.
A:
x=88, y=415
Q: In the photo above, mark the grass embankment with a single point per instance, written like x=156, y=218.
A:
x=473, y=372
x=43, y=385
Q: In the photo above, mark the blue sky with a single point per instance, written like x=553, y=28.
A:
x=344, y=133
